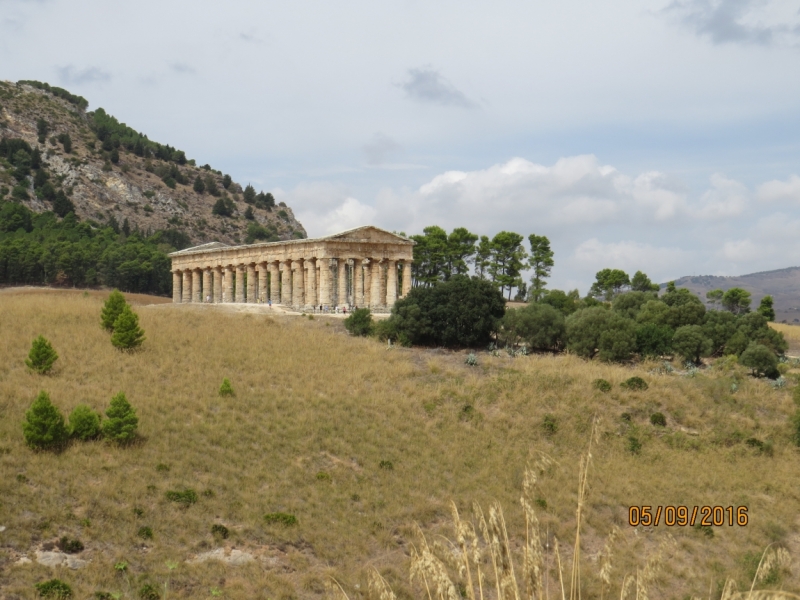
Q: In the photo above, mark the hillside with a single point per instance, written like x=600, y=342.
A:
x=112, y=174
x=360, y=443
x=782, y=284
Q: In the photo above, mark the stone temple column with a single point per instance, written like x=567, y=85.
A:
x=406, y=278
x=297, y=284
x=274, y=282
x=228, y=284
x=311, y=282
x=324, y=281
x=251, y=284
x=262, y=283
x=391, y=282
x=367, y=283
x=375, y=292
x=186, y=288
x=358, y=283
x=197, y=281
x=176, y=286
x=217, y=283
x=383, y=284
x=286, y=283
x=206, y=284
x=341, y=297
x=240, y=271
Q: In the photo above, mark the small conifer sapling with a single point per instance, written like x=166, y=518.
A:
x=44, y=426
x=225, y=389
x=121, y=424
x=127, y=333
x=42, y=356
x=84, y=423
x=112, y=309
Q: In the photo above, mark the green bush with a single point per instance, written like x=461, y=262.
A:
x=634, y=384
x=187, y=497
x=658, y=419
x=471, y=360
x=459, y=312
x=149, y=592
x=279, y=518
x=55, y=588
x=634, y=446
x=121, y=424
x=221, y=531
x=127, y=333
x=359, y=322
x=759, y=359
x=653, y=340
x=69, y=545
x=225, y=389
x=112, y=309
x=41, y=357
x=84, y=423
x=199, y=186
x=691, y=343
x=386, y=465
x=44, y=427
x=601, y=331
x=550, y=425
x=602, y=385
x=539, y=326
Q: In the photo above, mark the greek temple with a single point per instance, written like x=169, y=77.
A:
x=362, y=267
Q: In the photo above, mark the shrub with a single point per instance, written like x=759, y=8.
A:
x=634, y=446
x=602, y=385
x=121, y=424
x=149, y=592
x=62, y=205
x=458, y=312
x=599, y=330
x=223, y=207
x=42, y=356
x=146, y=533
x=471, y=360
x=218, y=530
x=187, y=497
x=550, y=425
x=112, y=309
x=634, y=384
x=658, y=419
x=84, y=423
x=691, y=343
x=653, y=340
x=760, y=359
x=127, y=333
x=55, y=588
x=539, y=326
x=359, y=322
x=70, y=546
x=199, y=186
x=44, y=425
x=279, y=518
x=225, y=389
x=386, y=465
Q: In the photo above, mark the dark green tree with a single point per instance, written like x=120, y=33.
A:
x=507, y=260
x=223, y=207
x=766, y=309
x=565, y=302
x=199, y=186
x=66, y=141
x=691, y=343
x=541, y=262
x=249, y=214
x=737, y=301
x=653, y=340
x=719, y=326
x=608, y=283
x=249, y=194
x=226, y=181
x=714, y=296
x=62, y=205
x=629, y=304
x=602, y=332
x=84, y=423
x=121, y=424
x=42, y=356
x=641, y=283
x=42, y=129
x=460, y=248
x=430, y=256
x=759, y=359
x=359, y=322
x=112, y=309
x=211, y=185
x=127, y=333
x=483, y=257
x=114, y=157
x=539, y=326
x=44, y=426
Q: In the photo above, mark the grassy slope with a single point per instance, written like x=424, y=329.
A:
x=309, y=400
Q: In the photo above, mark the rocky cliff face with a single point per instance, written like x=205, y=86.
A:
x=104, y=180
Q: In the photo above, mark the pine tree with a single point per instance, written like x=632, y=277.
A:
x=249, y=214
x=42, y=356
x=121, y=424
x=199, y=186
x=127, y=333
x=112, y=309
x=44, y=427
x=62, y=205
x=225, y=389
x=226, y=181
x=766, y=308
x=84, y=423
x=249, y=194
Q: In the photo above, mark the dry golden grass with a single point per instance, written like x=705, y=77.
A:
x=792, y=335
x=316, y=412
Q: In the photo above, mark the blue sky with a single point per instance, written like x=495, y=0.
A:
x=638, y=134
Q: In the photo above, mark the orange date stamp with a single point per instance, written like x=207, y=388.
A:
x=681, y=516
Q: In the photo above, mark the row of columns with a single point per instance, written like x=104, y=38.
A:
x=298, y=283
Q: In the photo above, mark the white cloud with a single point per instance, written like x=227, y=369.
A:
x=660, y=263
x=745, y=251
x=429, y=86
x=325, y=208
x=775, y=190
x=727, y=198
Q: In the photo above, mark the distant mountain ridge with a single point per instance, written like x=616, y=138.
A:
x=113, y=174
x=782, y=284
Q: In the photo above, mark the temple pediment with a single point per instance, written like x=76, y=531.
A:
x=369, y=234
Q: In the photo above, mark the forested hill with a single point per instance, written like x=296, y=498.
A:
x=57, y=156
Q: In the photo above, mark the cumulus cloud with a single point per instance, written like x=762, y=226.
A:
x=727, y=198
x=780, y=191
x=325, y=208
x=429, y=86
x=380, y=149
x=735, y=21
x=660, y=263
x=70, y=75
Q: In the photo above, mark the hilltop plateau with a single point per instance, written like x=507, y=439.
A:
x=111, y=174
x=333, y=448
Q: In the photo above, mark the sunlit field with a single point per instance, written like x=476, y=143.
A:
x=360, y=442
